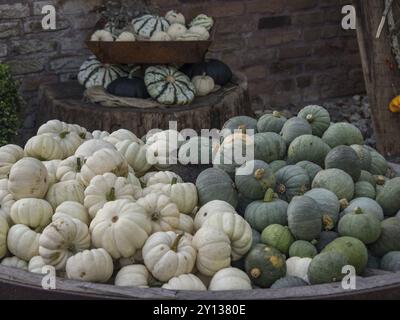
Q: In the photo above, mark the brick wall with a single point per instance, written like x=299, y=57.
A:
x=293, y=51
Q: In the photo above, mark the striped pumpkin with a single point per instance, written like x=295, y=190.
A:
x=203, y=20
x=169, y=86
x=145, y=26
x=94, y=73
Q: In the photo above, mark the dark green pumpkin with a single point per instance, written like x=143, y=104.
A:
x=337, y=181
x=215, y=184
x=342, y=133
x=254, y=185
x=265, y=265
x=243, y=203
x=302, y=249
x=346, y=159
x=367, y=205
x=318, y=117
x=291, y=181
x=389, y=239
x=379, y=165
x=373, y=262
x=278, y=237
x=129, y=87
x=240, y=124
x=353, y=249
x=261, y=214
x=293, y=128
x=308, y=147
x=311, y=168
x=367, y=177
x=269, y=146
x=304, y=218
x=325, y=238
x=364, y=189
x=277, y=164
x=361, y=225
x=364, y=155
x=391, y=261
x=256, y=238
x=213, y=68
x=271, y=122
x=289, y=282
x=327, y=268
x=389, y=197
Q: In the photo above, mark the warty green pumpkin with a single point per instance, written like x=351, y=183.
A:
x=364, y=189
x=389, y=239
x=291, y=181
x=329, y=205
x=271, y=122
x=389, y=197
x=278, y=237
x=327, y=267
x=342, y=133
x=318, y=117
x=295, y=127
x=391, y=261
x=311, y=168
x=302, y=249
x=308, y=147
x=269, y=146
x=337, y=181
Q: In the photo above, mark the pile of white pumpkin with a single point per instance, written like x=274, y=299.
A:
x=149, y=27
x=89, y=205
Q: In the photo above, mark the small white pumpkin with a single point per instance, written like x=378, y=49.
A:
x=100, y=135
x=23, y=242
x=201, y=31
x=204, y=85
x=186, y=224
x=160, y=36
x=60, y=192
x=298, y=267
x=168, y=255
x=36, y=265
x=185, y=282
x=70, y=168
x=61, y=239
x=44, y=148
x=133, y=276
x=164, y=177
x=203, y=20
x=175, y=17
x=105, y=188
x=210, y=208
x=4, y=185
x=213, y=250
x=6, y=203
x=34, y=213
x=3, y=236
x=121, y=227
x=9, y=154
x=52, y=167
x=121, y=135
x=72, y=209
x=136, y=185
x=93, y=265
x=14, y=262
x=102, y=35
x=176, y=30
x=126, y=37
x=135, y=154
x=230, y=279
x=28, y=179
x=81, y=131
x=88, y=148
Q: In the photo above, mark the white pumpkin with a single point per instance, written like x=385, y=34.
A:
x=61, y=239
x=102, y=35
x=4, y=185
x=36, y=265
x=81, y=131
x=14, y=262
x=106, y=188
x=213, y=250
x=72, y=209
x=160, y=36
x=70, y=168
x=71, y=190
x=93, y=265
x=167, y=255
x=164, y=177
x=23, y=242
x=100, y=135
x=186, y=224
x=3, y=236
x=9, y=154
x=6, y=203
x=28, y=179
x=176, y=30
x=121, y=135
x=126, y=37
x=34, y=213
x=230, y=279
x=136, y=259
x=298, y=267
x=133, y=276
x=88, y=148
x=204, y=85
x=136, y=185
x=163, y=213
x=121, y=227
x=135, y=155
x=175, y=17
x=44, y=148
x=103, y=161
x=203, y=20
x=210, y=208
x=236, y=228
x=201, y=31
x=52, y=167
x=185, y=282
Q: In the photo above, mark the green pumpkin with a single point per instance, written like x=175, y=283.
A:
x=311, y=168
x=291, y=181
x=318, y=117
x=304, y=218
x=389, y=197
x=240, y=124
x=293, y=128
x=243, y=203
x=325, y=238
x=327, y=268
x=265, y=265
x=308, y=147
x=302, y=249
x=346, y=159
x=391, y=261
x=373, y=262
x=269, y=146
x=289, y=282
x=329, y=205
x=364, y=155
x=271, y=122
x=367, y=177
x=379, y=165
x=215, y=184
x=361, y=225
x=353, y=249
x=277, y=236
x=364, y=189
x=254, y=185
x=256, y=238
x=366, y=204
x=389, y=239
x=337, y=181
x=277, y=164
x=342, y=133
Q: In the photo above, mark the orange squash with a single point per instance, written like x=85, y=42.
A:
x=394, y=105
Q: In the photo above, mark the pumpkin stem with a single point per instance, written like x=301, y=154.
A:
x=310, y=117
x=281, y=188
x=170, y=79
x=78, y=164
x=276, y=114
x=255, y=273
x=175, y=244
x=344, y=204
x=269, y=195
x=380, y=180
x=82, y=135
x=243, y=128
x=259, y=174
x=111, y=195
x=328, y=222
x=174, y=180
x=358, y=210
x=64, y=134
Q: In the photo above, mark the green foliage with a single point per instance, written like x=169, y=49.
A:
x=10, y=106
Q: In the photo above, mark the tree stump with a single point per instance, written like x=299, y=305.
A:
x=64, y=102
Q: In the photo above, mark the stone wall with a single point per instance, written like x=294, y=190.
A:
x=293, y=51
